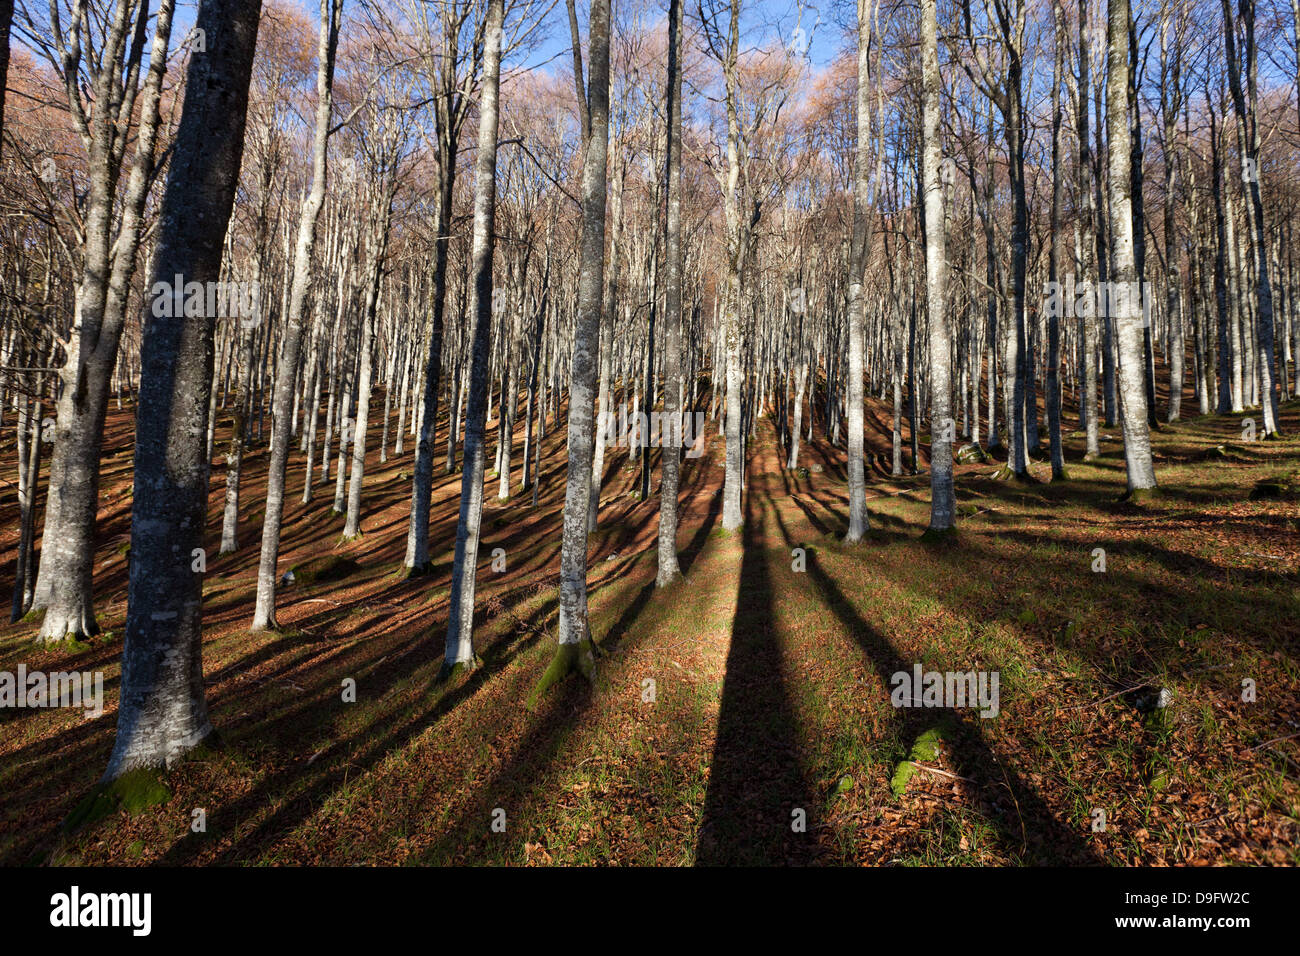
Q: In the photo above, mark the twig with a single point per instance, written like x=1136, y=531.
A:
x=1094, y=703
x=921, y=766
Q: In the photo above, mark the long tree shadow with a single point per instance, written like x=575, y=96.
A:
x=1032, y=830
x=513, y=788
x=758, y=792
x=367, y=749
x=364, y=750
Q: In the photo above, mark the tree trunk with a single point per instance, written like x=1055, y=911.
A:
x=670, y=453
x=1126, y=307
x=943, y=502
x=858, y=252
x=575, y=642
x=459, y=651
x=291, y=341
x=163, y=711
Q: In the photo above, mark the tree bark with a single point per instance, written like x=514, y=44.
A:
x=459, y=650
x=163, y=711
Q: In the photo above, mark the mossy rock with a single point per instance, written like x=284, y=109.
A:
x=1027, y=617
x=327, y=567
x=924, y=750
x=134, y=792
x=1277, y=488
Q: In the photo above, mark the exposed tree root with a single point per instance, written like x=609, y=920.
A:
x=568, y=657
x=449, y=673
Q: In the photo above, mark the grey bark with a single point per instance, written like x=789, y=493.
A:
x=163, y=711
x=459, y=648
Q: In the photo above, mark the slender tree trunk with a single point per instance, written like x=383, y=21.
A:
x=459, y=652
x=670, y=453
x=858, y=251
x=575, y=642
x=295, y=325
x=943, y=504
x=1054, y=262
x=1126, y=307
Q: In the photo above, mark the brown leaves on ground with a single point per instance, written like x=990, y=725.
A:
x=737, y=702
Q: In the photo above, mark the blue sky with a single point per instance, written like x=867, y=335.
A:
x=809, y=25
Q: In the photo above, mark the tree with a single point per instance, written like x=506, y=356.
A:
x=1125, y=304
x=1244, y=104
x=576, y=648
x=163, y=711
x=674, y=384
x=943, y=503
x=295, y=321
x=100, y=81
x=858, y=252
x=458, y=656
x=1054, y=253
x=451, y=66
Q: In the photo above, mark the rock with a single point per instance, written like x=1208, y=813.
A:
x=1146, y=700
x=1277, y=488
x=329, y=567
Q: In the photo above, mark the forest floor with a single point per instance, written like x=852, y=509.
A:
x=771, y=687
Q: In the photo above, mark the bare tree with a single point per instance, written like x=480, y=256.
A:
x=1125, y=306
x=458, y=656
x=674, y=385
x=295, y=321
x=101, y=82
x=163, y=711
x=576, y=649
x=943, y=504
